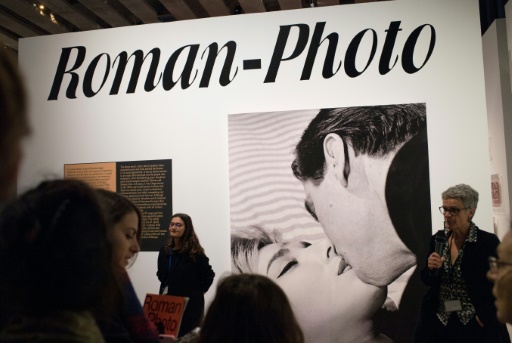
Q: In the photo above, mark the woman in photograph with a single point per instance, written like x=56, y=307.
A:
x=184, y=270
x=330, y=303
x=129, y=322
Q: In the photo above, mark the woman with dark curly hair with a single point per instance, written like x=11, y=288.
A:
x=250, y=308
x=184, y=270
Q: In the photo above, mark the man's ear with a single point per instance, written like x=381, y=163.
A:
x=337, y=162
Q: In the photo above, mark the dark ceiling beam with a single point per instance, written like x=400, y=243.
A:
x=141, y=10
x=178, y=9
x=8, y=41
x=16, y=27
x=103, y=10
x=71, y=14
x=215, y=8
x=321, y=3
x=26, y=10
x=252, y=6
x=290, y=4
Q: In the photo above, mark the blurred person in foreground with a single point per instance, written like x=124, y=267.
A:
x=501, y=274
x=250, y=308
x=14, y=124
x=55, y=265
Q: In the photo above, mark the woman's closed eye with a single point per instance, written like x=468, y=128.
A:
x=288, y=267
x=131, y=234
x=293, y=263
x=285, y=254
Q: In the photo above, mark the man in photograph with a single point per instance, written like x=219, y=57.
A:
x=365, y=177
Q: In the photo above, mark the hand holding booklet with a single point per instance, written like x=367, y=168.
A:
x=165, y=311
x=167, y=339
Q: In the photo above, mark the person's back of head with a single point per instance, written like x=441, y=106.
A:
x=250, y=308
x=14, y=122
x=54, y=254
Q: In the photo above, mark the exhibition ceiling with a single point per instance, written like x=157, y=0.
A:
x=29, y=18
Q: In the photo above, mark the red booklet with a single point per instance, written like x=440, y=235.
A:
x=165, y=310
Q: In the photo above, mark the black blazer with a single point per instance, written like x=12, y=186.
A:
x=474, y=267
x=190, y=278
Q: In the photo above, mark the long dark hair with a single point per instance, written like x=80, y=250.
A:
x=250, y=308
x=189, y=241
x=54, y=253
x=116, y=206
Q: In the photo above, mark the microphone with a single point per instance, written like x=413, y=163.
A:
x=440, y=244
x=439, y=248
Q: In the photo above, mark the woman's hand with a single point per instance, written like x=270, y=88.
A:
x=435, y=261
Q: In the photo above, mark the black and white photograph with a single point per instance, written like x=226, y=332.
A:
x=310, y=144
x=334, y=205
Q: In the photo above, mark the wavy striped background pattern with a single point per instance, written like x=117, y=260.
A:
x=263, y=190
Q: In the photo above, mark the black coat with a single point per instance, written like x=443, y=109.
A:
x=188, y=277
x=474, y=267
x=408, y=201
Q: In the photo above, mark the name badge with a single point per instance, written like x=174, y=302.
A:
x=452, y=305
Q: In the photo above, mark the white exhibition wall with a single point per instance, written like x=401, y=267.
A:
x=499, y=102
x=496, y=45
x=189, y=123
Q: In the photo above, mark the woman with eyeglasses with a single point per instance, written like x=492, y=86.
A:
x=184, y=270
x=459, y=305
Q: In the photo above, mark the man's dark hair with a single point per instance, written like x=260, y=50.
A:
x=372, y=130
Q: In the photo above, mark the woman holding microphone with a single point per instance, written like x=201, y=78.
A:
x=459, y=305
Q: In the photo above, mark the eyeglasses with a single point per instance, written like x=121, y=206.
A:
x=178, y=225
x=452, y=210
x=495, y=264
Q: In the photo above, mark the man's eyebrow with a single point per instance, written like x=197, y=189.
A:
x=310, y=208
x=280, y=253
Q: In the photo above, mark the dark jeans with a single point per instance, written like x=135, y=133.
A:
x=455, y=331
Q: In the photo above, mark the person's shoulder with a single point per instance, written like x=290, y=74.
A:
x=201, y=257
x=485, y=234
x=439, y=233
x=487, y=237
